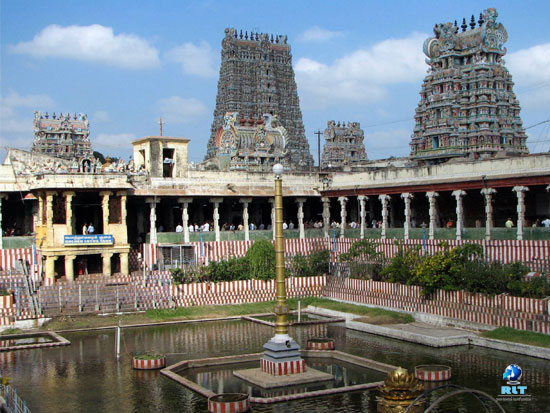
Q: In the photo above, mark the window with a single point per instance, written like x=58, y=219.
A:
x=167, y=163
x=435, y=142
x=115, y=211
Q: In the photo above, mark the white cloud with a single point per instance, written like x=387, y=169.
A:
x=93, y=43
x=530, y=69
x=316, y=34
x=15, y=129
x=112, y=140
x=195, y=60
x=181, y=110
x=101, y=116
x=362, y=76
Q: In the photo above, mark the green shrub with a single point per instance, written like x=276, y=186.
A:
x=261, y=260
x=316, y=264
x=363, y=260
x=4, y=292
x=401, y=266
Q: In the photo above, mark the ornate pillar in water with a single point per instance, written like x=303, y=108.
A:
x=432, y=201
x=407, y=196
x=488, y=194
x=458, y=194
x=520, y=192
x=384, y=199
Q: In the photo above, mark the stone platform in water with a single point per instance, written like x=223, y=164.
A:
x=267, y=381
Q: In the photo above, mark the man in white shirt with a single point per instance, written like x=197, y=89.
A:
x=546, y=222
x=206, y=227
x=91, y=229
x=285, y=226
x=179, y=228
x=191, y=228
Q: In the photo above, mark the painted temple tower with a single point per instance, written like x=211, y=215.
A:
x=467, y=108
x=344, y=145
x=62, y=136
x=251, y=144
x=257, y=78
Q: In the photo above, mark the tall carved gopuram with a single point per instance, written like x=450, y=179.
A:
x=467, y=107
x=257, y=78
x=62, y=136
x=344, y=145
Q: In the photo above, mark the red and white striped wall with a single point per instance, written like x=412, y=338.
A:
x=282, y=368
x=504, y=251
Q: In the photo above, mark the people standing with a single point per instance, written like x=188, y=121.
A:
x=509, y=223
x=546, y=223
x=84, y=229
x=91, y=228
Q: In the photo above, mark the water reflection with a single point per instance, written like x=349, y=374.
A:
x=85, y=376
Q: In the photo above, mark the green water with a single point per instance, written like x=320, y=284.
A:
x=85, y=376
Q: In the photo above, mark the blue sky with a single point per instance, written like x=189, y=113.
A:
x=126, y=63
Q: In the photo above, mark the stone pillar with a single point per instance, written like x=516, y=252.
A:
x=153, y=219
x=326, y=216
x=458, y=194
x=50, y=269
x=488, y=194
x=272, y=202
x=520, y=192
x=245, y=202
x=385, y=200
x=301, y=202
x=69, y=213
x=107, y=263
x=69, y=267
x=216, y=216
x=407, y=196
x=362, y=213
x=124, y=267
x=105, y=209
x=343, y=201
x=49, y=216
x=185, y=216
x=432, y=201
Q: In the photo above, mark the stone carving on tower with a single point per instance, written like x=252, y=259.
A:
x=467, y=107
x=344, y=145
x=62, y=136
x=257, y=78
x=251, y=144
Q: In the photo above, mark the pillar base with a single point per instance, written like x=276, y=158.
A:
x=282, y=357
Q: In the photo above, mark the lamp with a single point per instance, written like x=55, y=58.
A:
x=278, y=170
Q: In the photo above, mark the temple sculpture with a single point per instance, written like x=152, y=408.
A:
x=251, y=144
x=257, y=78
x=344, y=145
x=62, y=136
x=467, y=107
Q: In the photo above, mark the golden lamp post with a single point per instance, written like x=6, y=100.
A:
x=282, y=353
x=281, y=307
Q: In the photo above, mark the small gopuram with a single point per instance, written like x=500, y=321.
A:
x=63, y=137
x=344, y=145
x=256, y=77
x=251, y=144
x=467, y=107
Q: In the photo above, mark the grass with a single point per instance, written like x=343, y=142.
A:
x=374, y=315
x=518, y=336
x=9, y=331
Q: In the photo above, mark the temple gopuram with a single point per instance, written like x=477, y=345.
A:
x=256, y=78
x=251, y=144
x=62, y=137
x=467, y=108
x=344, y=145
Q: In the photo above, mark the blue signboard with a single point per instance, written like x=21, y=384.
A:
x=88, y=240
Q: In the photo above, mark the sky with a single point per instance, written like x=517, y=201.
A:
x=127, y=63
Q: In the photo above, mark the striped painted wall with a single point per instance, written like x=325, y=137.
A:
x=502, y=250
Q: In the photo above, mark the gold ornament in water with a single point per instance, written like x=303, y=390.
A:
x=400, y=388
